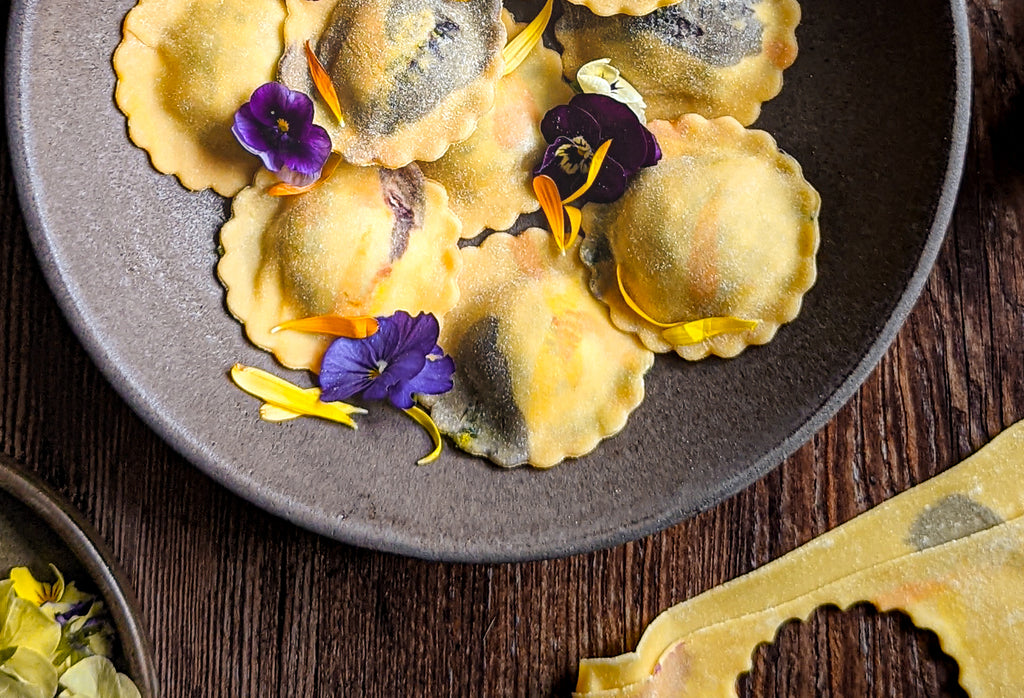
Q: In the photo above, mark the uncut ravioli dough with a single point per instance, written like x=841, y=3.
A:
x=412, y=76
x=184, y=67
x=367, y=241
x=725, y=225
x=708, y=57
x=489, y=176
x=541, y=375
x=948, y=552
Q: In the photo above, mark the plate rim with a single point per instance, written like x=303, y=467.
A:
x=299, y=514
x=86, y=544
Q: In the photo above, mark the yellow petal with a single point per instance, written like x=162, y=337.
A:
x=516, y=51
x=633, y=306
x=358, y=327
x=551, y=203
x=323, y=83
x=273, y=413
x=26, y=586
x=595, y=168
x=697, y=331
x=575, y=220
x=424, y=420
x=30, y=589
x=683, y=333
x=285, y=189
x=280, y=393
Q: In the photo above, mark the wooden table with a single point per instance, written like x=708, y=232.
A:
x=240, y=603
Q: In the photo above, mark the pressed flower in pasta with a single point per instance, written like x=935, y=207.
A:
x=576, y=130
x=600, y=77
x=400, y=360
x=276, y=124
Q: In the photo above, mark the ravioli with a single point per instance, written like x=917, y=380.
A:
x=412, y=76
x=725, y=225
x=367, y=241
x=184, y=67
x=708, y=57
x=489, y=176
x=541, y=374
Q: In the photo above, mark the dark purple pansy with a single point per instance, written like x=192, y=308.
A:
x=277, y=125
x=577, y=129
x=399, y=360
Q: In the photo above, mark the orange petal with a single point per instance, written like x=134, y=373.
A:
x=551, y=203
x=285, y=189
x=323, y=83
x=358, y=327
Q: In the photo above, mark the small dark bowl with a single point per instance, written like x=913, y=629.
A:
x=38, y=527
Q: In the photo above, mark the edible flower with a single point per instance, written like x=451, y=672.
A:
x=600, y=77
x=276, y=124
x=576, y=130
x=27, y=587
x=687, y=332
x=401, y=360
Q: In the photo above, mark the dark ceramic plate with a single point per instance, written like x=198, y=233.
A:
x=875, y=108
x=37, y=528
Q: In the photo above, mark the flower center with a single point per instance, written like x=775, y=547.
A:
x=282, y=125
x=574, y=157
x=378, y=370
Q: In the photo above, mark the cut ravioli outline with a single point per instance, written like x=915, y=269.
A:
x=142, y=91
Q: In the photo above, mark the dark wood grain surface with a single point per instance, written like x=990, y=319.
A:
x=240, y=603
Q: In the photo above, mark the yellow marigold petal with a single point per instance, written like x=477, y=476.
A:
x=551, y=203
x=697, y=331
x=516, y=51
x=285, y=189
x=575, y=221
x=280, y=393
x=323, y=83
x=358, y=327
x=424, y=420
x=684, y=333
x=632, y=304
x=595, y=168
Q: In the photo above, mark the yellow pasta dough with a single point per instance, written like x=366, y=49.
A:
x=489, y=175
x=367, y=241
x=709, y=57
x=724, y=226
x=184, y=67
x=541, y=375
x=949, y=552
x=412, y=76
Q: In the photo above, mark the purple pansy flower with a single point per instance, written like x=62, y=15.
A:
x=577, y=129
x=277, y=125
x=397, y=361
